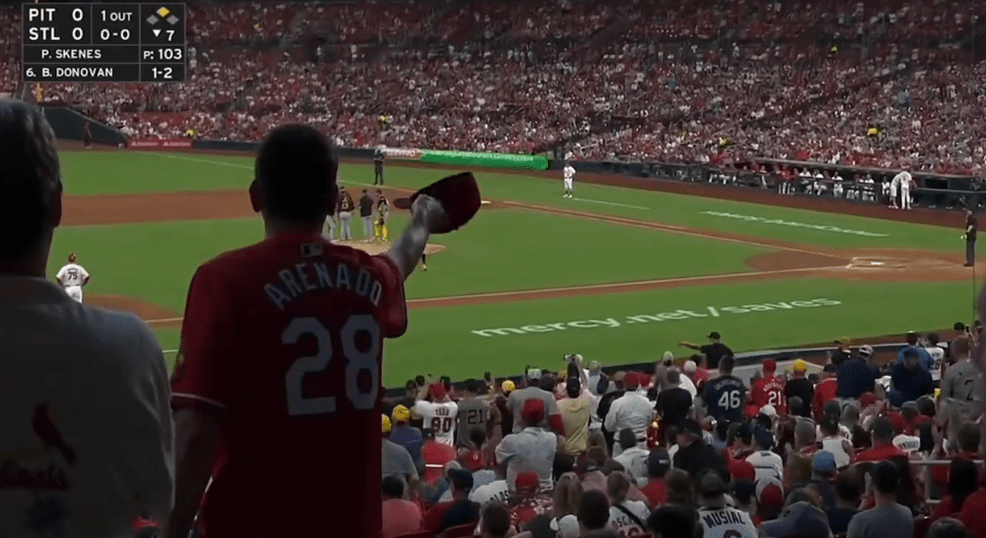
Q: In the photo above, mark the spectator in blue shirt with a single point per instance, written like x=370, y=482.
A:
x=909, y=381
x=405, y=435
x=925, y=359
x=856, y=376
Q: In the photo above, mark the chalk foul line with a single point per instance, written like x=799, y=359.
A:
x=587, y=287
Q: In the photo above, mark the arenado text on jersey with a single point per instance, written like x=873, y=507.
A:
x=296, y=281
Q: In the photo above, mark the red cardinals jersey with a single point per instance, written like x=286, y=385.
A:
x=285, y=337
x=768, y=391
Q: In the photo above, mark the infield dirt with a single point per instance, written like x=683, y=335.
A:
x=787, y=260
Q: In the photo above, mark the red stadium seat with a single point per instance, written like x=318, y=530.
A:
x=461, y=531
x=921, y=526
x=419, y=534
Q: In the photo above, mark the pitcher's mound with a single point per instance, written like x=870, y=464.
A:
x=379, y=247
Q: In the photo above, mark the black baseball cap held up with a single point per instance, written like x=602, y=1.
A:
x=715, y=336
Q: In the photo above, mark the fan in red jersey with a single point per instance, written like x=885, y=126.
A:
x=768, y=390
x=278, y=394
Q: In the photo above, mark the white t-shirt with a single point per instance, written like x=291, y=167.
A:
x=723, y=522
x=634, y=460
x=937, y=359
x=907, y=443
x=623, y=524
x=835, y=446
x=494, y=491
x=767, y=465
x=689, y=385
x=72, y=275
x=439, y=417
x=86, y=410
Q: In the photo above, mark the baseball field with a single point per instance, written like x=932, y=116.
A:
x=618, y=274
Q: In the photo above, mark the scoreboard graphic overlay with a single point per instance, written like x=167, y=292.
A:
x=104, y=43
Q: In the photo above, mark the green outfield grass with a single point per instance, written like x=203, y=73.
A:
x=516, y=249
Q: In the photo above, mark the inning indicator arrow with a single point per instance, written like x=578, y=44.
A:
x=156, y=32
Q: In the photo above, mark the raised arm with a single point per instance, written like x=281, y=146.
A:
x=427, y=214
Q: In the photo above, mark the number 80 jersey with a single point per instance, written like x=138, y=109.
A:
x=284, y=340
x=440, y=418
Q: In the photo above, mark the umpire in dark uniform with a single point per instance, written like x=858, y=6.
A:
x=971, y=225
x=366, y=213
x=378, y=166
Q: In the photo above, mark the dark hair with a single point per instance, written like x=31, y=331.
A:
x=446, y=382
x=933, y=339
x=594, y=510
x=795, y=406
x=548, y=382
x=882, y=430
x=572, y=370
x=573, y=387
x=410, y=385
x=563, y=463
x=672, y=521
x=912, y=339
x=763, y=421
x=496, y=519
x=848, y=486
x=963, y=480
x=29, y=175
x=295, y=174
x=420, y=380
x=477, y=436
x=602, y=385
x=391, y=486
x=886, y=477
x=947, y=527
x=959, y=326
x=726, y=364
x=829, y=425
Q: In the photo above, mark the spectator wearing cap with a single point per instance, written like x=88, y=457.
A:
x=631, y=411
x=633, y=458
x=459, y=511
x=714, y=351
x=626, y=516
x=843, y=351
x=400, y=516
x=801, y=519
x=887, y=518
x=848, y=491
x=436, y=456
x=856, y=376
x=883, y=447
x=532, y=448
x=826, y=390
x=905, y=439
x=909, y=380
x=823, y=472
x=767, y=463
x=674, y=402
x=504, y=413
x=658, y=465
x=693, y=454
x=530, y=500
x=576, y=410
x=768, y=390
x=800, y=387
x=594, y=516
x=395, y=459
x=715, y=516
x=516, y=401
x=835, y=442
x=672, y=521
x=406, y=435
x=915, y=344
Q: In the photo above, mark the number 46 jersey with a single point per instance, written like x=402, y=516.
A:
x=284, y=340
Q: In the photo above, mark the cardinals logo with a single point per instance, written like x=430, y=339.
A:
x=46, y=430
x=15, y=475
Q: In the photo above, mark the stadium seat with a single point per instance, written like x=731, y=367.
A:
x=921, y=526
x=461, y=531
x=419, y=534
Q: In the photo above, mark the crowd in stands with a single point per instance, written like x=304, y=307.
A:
x=860, y=83
x=687, y=449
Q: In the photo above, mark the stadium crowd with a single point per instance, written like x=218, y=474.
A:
x=653, y=80
x=687, y=449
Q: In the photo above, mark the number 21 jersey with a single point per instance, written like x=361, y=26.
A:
x=284, y=340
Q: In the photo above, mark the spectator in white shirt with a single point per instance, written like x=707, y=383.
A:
x=767, y=463
x=633, y=458
x=632, y=410
x=85, y=390
x=533, y=449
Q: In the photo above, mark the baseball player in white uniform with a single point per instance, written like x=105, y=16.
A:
x=837, y=188
x=569, y=177
x=902, y=184
x=72, y=277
